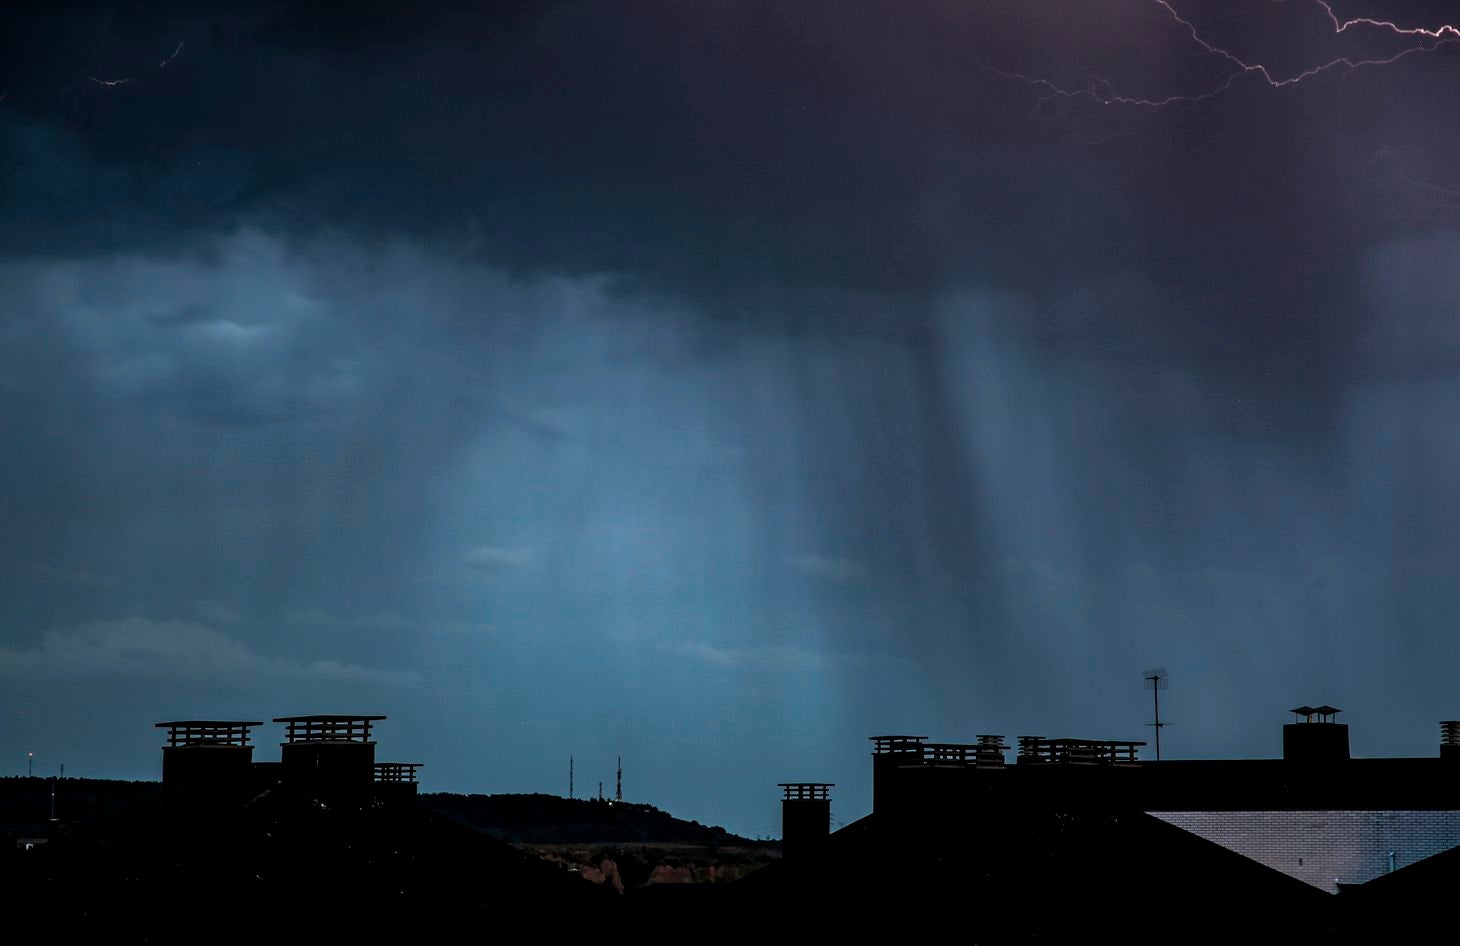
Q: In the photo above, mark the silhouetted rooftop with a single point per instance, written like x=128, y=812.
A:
x=328, y=727
x=199, y=733
x=326, y=718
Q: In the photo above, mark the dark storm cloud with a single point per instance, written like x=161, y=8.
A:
x=730, y=149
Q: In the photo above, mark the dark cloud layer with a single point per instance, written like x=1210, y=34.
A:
x=726, y=147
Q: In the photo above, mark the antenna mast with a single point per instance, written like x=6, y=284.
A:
x=618, y=787
x=570, y=776
x=1156, y=681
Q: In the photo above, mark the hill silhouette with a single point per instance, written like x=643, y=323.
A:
x=552, y=819
x=624, y=845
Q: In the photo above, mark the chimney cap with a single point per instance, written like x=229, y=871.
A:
x=1308, y=712
x=806, y=791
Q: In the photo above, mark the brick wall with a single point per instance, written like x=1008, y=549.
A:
x=1325, y=848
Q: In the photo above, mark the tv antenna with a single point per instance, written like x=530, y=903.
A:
x=1156, y=681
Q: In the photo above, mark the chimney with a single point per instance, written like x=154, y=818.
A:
x=890, y=755
x=1450, y=739
x=1317, y=740
x=991, y=751
x=329, y=753
x=207, y=753
x=805, y=817
x=395, y=782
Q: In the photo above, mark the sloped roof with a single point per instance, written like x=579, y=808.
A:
x=1043, y=875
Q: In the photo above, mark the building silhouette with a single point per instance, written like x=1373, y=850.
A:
x=1316, y=814
x=329, y=756
x=1079, y=836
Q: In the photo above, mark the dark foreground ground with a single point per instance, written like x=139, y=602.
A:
x=277, y=866
x=281, y=867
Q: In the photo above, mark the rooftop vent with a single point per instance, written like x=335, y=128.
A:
x=1450, y=739
x=991, y=750
x=1325, y=713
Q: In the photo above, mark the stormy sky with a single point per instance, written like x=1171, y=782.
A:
x=720, y=383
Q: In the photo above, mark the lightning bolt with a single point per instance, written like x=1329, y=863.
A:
x=1429, y=194
x=1102, y=92
x=126, y=80
x=113, y=83
x=163, y=63
x=1442, y=35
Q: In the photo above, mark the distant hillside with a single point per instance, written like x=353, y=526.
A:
x=552, y=819
x=621, y=845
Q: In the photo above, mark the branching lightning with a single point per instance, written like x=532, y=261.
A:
x=1442, y=35
x=114, y=83
x=1102, y=92
x=163, y=64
